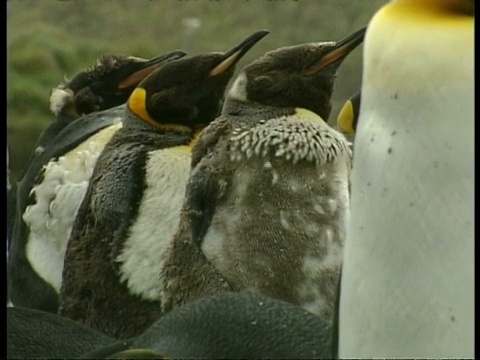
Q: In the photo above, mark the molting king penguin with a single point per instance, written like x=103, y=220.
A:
x=231, y=325
x=267, y=200
x=112, y=270
x=105, y=85
x=407, y=288
x=57, y=174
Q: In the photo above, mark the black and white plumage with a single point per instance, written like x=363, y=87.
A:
x=111, y=275
x=267, y=200
x=42, y=208
x=407, y=288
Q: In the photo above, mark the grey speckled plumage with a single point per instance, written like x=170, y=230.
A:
x=112, y=270
x=267, y=200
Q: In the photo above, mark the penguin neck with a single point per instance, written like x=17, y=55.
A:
x=132, y=121
x=237, y=107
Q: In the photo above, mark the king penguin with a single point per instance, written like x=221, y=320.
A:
x=105, y=85
x=267, y=201
x=57, y=174
x=231, y=325
x=407, y=288
x=111, y=276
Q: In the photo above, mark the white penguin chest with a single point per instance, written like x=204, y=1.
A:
x=151, y=234
x=58, y=198
x=408, y=275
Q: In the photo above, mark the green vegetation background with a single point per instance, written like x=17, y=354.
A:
x=50, y=40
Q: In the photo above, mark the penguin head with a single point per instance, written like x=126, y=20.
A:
x=106, y=84
x=296, y=76
x=348, y=116
x=188, y=92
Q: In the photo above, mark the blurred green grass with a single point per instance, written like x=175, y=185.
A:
x=49, y=40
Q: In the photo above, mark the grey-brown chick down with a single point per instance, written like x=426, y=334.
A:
x=267, y=200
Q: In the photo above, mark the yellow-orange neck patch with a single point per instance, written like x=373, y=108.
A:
x=187, y=148
x=137, y=103
x=308, y=114
x=430, y=10
x=345, y=118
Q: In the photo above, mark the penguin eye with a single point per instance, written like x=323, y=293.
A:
x=158, y=99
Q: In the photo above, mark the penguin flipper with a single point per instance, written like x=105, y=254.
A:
x=205, y=185
x=100, y=225
x=202, y=192
x=208, y=139
x=81, y=129
x=114, y=190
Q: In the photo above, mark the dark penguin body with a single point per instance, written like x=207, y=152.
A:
x=83, y=108
x=230, y=326
x=35, y=334
x=267, y=200
x=112, y=270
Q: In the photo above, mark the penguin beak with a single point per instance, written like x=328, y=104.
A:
x=231, y=57
x=143, y=69
x=339, y=52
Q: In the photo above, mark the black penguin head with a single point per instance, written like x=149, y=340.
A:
x=188, y=92
x=107, y=84
x=348, y=115
x=296, y=76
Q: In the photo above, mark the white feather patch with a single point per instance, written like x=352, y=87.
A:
x=58, y=198
x=59, y=98
x=157, y=221
x=238, y=89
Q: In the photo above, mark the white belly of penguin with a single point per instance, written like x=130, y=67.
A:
x=58, y=198
x=279, y=237
x=158, y=216
x=408, y=278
